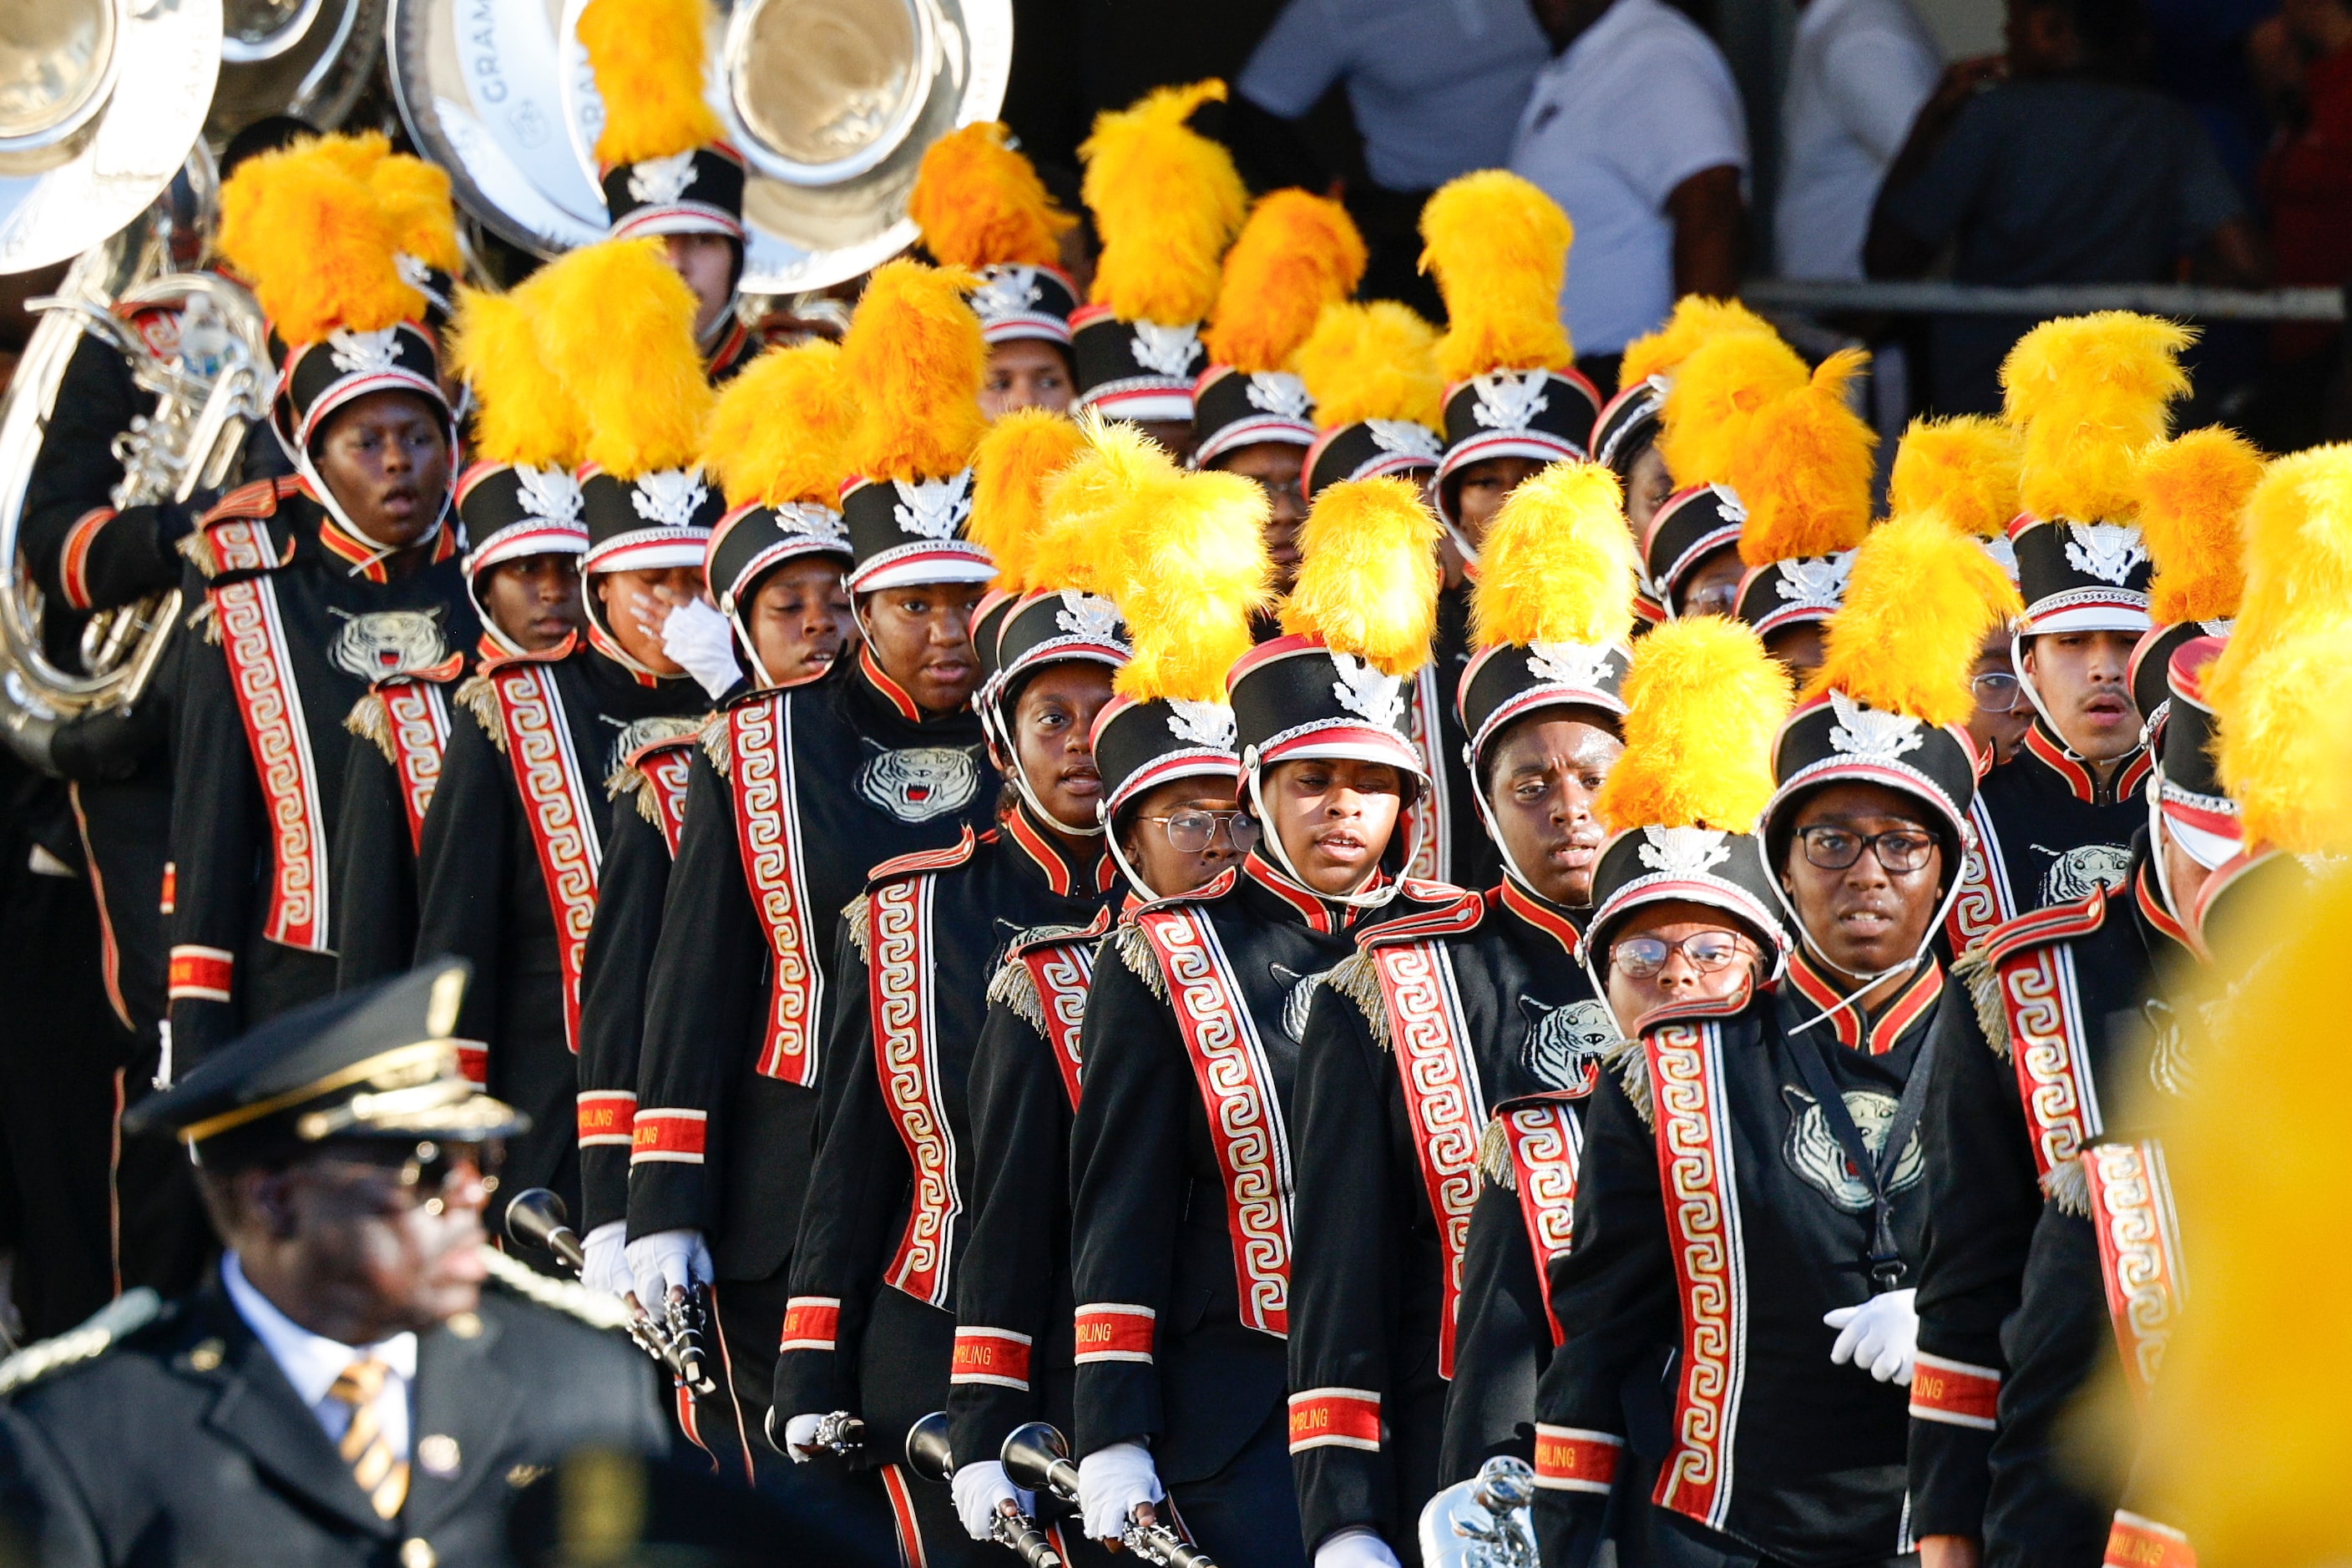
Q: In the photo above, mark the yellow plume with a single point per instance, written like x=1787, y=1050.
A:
x=1716, y=394
x=1194, y=572
x=1373, y=361
x=1696, y=320
x=646, y=55
x=1804, y=469
x=414, y=197
x=1963, y=468
x=2285, y=752
x=1297, y=255
x=1498, y=247
x=2192, y=489
x=1918, y=602
x=1558, y=563
x=1022, y=451
x=1368, y=573
x=2090, y=392
x=308, y=233
x=521, y=412
x=916, y=361
x=2298, y=559
x=980, y=204
x=1166, y=201
x=617, y=326
x=1086, y=502
x=1704, y=704
x=775, y=436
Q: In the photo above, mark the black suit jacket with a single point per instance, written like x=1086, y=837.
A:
x=186, y=1445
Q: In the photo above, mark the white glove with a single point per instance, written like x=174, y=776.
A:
x=698, y=637
x=665, y=1258
x=1359, y=1547
x=1111, y=1482
x=607, y=1267
x=1882, y=1334
x=980, y=1488
x=800, y=1434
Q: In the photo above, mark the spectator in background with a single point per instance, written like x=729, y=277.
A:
x=2053, y=164
x=1858, y=72
x=2306, y=181
x=1435, y=87
x=1636, y=130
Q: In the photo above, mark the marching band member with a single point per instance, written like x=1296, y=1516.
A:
x=797, y=793
x=1690, y=552
x=520, y=509
x=1625, y=435
x=666, y=170
x=506, y=867
x=314, y=586
x=1791, y=1240
x=1445, y=1011
x=1370, y=373
x=1189, y=570
x=1181, y=1158
x=981, y=206
x=2089, y=392
x=1166, y=201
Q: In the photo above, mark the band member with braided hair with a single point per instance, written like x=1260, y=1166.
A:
x=1446, y=1012
x=1790, y=1241
x=1187, y=566
x=314, y=586
x=798, y=791
x=1180, y=1158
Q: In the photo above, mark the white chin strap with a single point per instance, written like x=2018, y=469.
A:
x=327, y=498
x=1270, y=839
x=1864, y=984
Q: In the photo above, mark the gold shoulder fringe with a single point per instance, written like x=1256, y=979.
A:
x=1135, y=950
x=2069, y=1186
x=1495, y=1156
x=196, y=547
x=478, y=696
x=1974, y=970
x=369, y=722
x=1631, y=1063
x=1014, y=989
x=1355, y=978
x=857, y=912
x=718, y=745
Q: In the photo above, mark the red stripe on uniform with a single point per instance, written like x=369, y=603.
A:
x=73, y=556
x=1108, y=1331
x=673, y=1135
x=474, y=1063
x=201, y=973
x=991, y=1355
x=1573, y=1459
x=607, y=1117
x=2135, y=1541
x=1954, y=1393
x=1335, y=1418
x=810, y=1323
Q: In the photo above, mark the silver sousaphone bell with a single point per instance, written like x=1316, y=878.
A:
x=831, y=102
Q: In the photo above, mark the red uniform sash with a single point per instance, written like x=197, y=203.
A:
x=260, y=668
x=1546, y=1143
x=555, y=806
x=1237, y=1091
x=898, y=975
x=1983, y=903
x=1062, y=970
x=1441, y=1096
x=416, y=718
x=2139, y=1252
x=2047, y=1043
x=1697, y=1175
x=1427, y=821
x=767, y=828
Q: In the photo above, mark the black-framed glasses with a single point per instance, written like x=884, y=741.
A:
x=1998, y=691
x=1191, y=830
x=1708, y=951
x=1897, y=848
x=424, y=1174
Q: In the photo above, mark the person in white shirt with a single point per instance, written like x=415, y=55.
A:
x=1636, y=129
x=1858, y=73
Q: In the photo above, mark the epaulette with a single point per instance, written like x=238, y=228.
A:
x=921, y=860
x=858, y=914
x=1458, y=909
x=1014, y=989
x=1357, y=979
x=1631, y=1063
x=718, y=744
x=629, y=774
x=241, y=535
x=594, y=1308
x=478, y=695
x=1036, y=937
x=134, y=1309
x=1978, y=968
x=368, y=720
x=1136, y=952
x=1975, y=970
x=1495, y=1156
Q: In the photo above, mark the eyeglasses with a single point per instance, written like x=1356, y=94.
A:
x=1189, y=831
x=1897, y=848
x=426, y=1174
x=1707, y=952
x=1713, y=599
x=1996, y=691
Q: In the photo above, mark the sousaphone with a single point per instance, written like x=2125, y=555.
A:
x=832, y=103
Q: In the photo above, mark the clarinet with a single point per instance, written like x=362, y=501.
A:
x=675, y=1339
x=928, y=1456
x=1036, y=1458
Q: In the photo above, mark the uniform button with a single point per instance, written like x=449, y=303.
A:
x=437, y=1452
x=418, y=1552
x=206, y=1356
x=466, y=1326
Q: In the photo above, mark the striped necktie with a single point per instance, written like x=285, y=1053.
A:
x=382, y=1476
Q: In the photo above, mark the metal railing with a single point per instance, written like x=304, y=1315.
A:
x=1943, y=298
